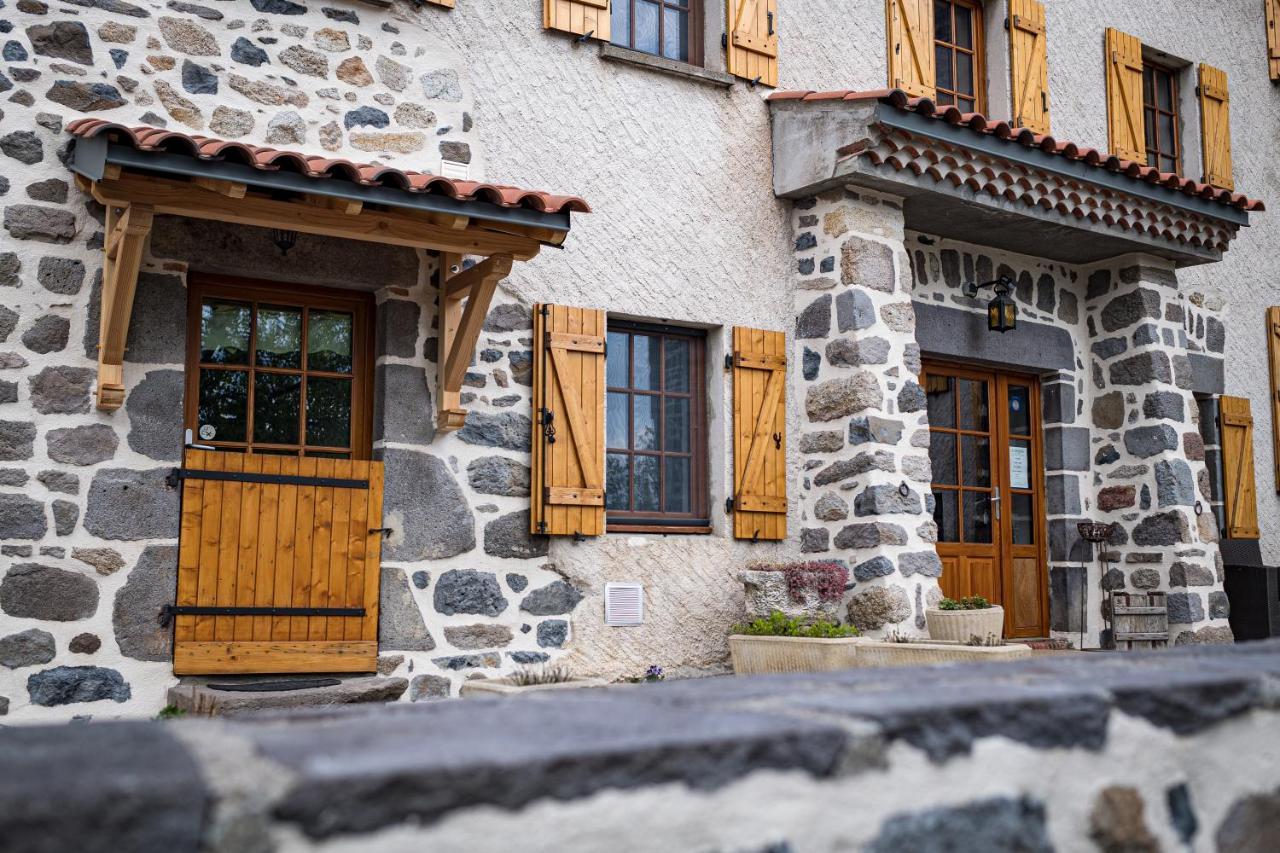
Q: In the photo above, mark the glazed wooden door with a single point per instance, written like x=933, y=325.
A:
x=988, y=489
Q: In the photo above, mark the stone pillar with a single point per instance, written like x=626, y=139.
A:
x=1149, y=472
x=864, y=490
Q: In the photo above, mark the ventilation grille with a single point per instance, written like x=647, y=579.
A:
x=623, y=604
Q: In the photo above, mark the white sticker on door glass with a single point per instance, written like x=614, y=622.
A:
x=1019, y=470
x=208, y=431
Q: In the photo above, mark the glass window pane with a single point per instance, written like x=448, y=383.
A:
x=646, y=35
x=1149, y=128
x=1164, y=91
x=223, y=410
x=964, y=26
x=617, y=358
x=646, y=491
x=942, y=20
x=965, y=105
x=279, y=341
x=616, y=410
x=975, y=453
x=1024, y=531
x=677, y=498
x=1019, y=410
x=946, y=515
x=941, y=394
x=973, y=405
x=620, y=28
x=644, y=422
x=675, y=429
x=1148, y=86
x=964, y=73
x=277, y=397
x=329, y=342
x=329, y=412
x=617, y=486
x=224, y=332
x=945, y=99
x=942, y=456
x=977, y=517
x=1166, y=133
x=648, y=362
x=676, y=364
x=942, y=59
x=1168, y=164
x=675, y=34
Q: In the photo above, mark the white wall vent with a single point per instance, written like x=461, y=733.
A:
x=623, y=604
x=455, y=170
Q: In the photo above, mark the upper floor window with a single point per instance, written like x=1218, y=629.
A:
x=1160, y=113
x=671, y=29
x=957, y=47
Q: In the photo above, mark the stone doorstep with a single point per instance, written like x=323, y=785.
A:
x=199, y=697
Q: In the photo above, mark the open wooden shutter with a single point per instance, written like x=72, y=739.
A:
x=909, y=24
x=579, y=17
x=759, y=434
x=1237, y=468
x=1029, y=65
x=1273, y=353
x=278, y=564
x=751, y=48
x=567, y=495
x=1125, y=125
x=1215, y=127
x=1273, y=37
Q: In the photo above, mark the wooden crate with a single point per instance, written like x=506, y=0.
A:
x=1140, y=620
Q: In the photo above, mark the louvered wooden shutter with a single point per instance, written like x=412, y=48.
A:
x=1273, y=37
x=759, y=434
x=1273, y=352
x=578, y=17
x=1215, y=127
x=751, y=49
x=567, y=494
x=1125, y=127
x=1029, y=65
x=1237, y=468
x=909, y=24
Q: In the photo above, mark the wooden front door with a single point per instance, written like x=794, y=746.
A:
x=988, y=487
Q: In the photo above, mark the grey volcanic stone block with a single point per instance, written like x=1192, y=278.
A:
x=877, y=607
x=876, y=567
x=843, y=469
x=885, y=499
x=82, y=445
x=1149, y=441
x=426, y=507
x=815, y=320
x=1141, y=369
x=1129, y=308
x=65, y=516
x=468, y=591
x=509, y=430
x=151, y=584
x=61, y=275
x=402, y=410
x=398, y=321
x=204, y=700
x=1189, y=574
x=1108, y=410
x=814, y=540
x=26, y=648
x=478, y=636
x=34, y=591
x=830, y=507
x=67, y=685
x=925, y=563
x=843, y=352
x=37, y=222
x=154, y=407
x=8, y=322
x=1168, y=405
x=428, y=687
x=821, y=442
x=1109, y=347
x=552, y=633
x=16, y=440
x=1174, y=483
x=508, y=318
x=498, y=475
x=998, y=824
x=62, y=40
x=1219, y=605
x=128, y=504
x=61, y=390
x=1252, y=824
x=400, y=623
x=854, y=311
x=911, y=398
x=847, y=395
x=157, y=328
x=47, y=334
x=874, y=429
x=508, y=536
x=21, y=517
x=1066, y=449
x=1185, y=608
x=474, y=661
x=23, y=146
x=554, y=599
x=870, y=534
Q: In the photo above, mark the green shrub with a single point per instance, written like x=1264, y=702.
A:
x=170, y=712
x=973, y=602
x=776, y=624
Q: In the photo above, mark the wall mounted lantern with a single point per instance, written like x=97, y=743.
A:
x=284, y=240
x=1002, y=313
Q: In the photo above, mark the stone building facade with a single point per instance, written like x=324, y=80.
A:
x=685, y=227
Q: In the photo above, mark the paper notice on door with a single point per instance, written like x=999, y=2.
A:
x=1019, y=469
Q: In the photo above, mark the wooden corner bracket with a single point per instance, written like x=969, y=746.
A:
x=127, y=230
x=460, y=326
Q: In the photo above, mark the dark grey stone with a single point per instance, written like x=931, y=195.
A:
x=48, y=333
x=23, y=146
x=61, y=390
x=830, y=507
x=517, y=582
x=279, y=7
x=128, y=504
x=197, y=79
x=555, y=599
x=854, y=311
x=421, y=579
x=1189, y=574
x=521, y=362
x=951, y=268
x=509, y=536
x=1167, y=405
x=8, y=392
x=925, y=563
x=1046, y=293
x=33, y=591
x=844, y=352
x=1162, y=530
x=874, y=429
x=1065, y=597
x=997, y=825
x=402, y=409
x=195, y=9
x=1174, y=483
x=508, y=318
x=473, y=661
x=1112, y=580
x=552, y=633
x=1062, y=494
x=65, y=516
x=21, y=517
x=814, y=540
x=911, y=398
x=1058, y=403
x=1131, y=307
x=885, y=499
x=8, y=322
x=1148, y=441
x=1065, y=544
x=468, y=591
x=1142, y=369
x=836, y=398
x=61, y=275
x=429, y=687
x=82, y=445
x=955, y=333
x=815, y=320
x=871, y=534
x=62, y=40
x=811, y=361
x=477, y=636
x=843, y=469
x=17, y=439
x=398, y=321
x=27, y=648
x=1219, y=605
x=509, y=430
x=1215, y=339
x=1109, y=348
x=9, y=268
x=1106, y=454
x=154, y=407
x=157, y=328
x=528, y=658
x=1066, y=449
x=821, y=442
x=498, y=475
x=37, y=222
x=876, y=567
x=1145, y=578
x=151, y=584
x=400, y=623
x=85, y=98
x=66, y=685
x=248, y=53
x=53, y=190
x=1068, y=307
x=365, y=117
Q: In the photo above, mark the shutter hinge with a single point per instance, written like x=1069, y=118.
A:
x=724, y=41
x=542, y=528
x=546, y=417
x=1006, y=24
x=544, y=309
x=728, y=361
x=728, y=506
x=769, y=15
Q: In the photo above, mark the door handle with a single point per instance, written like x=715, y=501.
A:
x=995, y=502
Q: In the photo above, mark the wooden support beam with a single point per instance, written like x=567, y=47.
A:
x=127, y=230
x=230, y=189
x=450, y=415
x=459, y=286
x=460, y=325
x=349, y=206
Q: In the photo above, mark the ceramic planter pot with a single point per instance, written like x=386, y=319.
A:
x=767, y=655
x=958, y=626
x=925, y=653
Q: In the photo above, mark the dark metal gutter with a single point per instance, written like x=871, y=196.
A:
x=90, y=157
x=963, y=136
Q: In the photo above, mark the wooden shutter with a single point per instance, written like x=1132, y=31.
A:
x=1273, y=353
x=284, y=537
x=751, y=49
x=759, y=434
x=1273, y=37
x=910, y=27
x=1215, y=127
x=568, y=430
x=579, y=17
x=1237, y=468
x=1125, y=126
x=1029, y=65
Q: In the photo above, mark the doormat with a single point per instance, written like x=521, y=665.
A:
x=1057, y=644
x=272, y=686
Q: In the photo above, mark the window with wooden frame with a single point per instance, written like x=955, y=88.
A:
x=671, y=29
x=273, y=369
x=1161, y=117
x=959, y=73
x=655, y=433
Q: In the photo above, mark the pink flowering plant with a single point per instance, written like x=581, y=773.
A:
x=826, y=578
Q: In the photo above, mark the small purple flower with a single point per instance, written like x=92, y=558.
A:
x=654, y=673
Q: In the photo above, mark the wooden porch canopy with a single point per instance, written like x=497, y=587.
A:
x=141, y=172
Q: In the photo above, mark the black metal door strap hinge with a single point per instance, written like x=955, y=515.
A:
x=178, y=474
x=169, y=611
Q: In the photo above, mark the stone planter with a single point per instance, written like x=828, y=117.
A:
x=922, y=653
x=767, y=592
x=766, y=655
x=507, y=687
x=957, y=626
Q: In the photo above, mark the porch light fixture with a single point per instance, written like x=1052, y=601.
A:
x=1002, y=312
x=284, y=240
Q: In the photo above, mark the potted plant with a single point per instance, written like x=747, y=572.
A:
x=959, y=620
x=781, y=643
x=529, y=680
x=805, y=590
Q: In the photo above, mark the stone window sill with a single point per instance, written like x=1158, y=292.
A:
x=613, y=53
